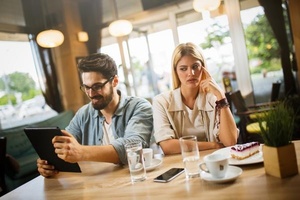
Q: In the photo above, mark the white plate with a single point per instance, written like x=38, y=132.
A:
x=256, y=158
x=155, y=163
x=232, y=174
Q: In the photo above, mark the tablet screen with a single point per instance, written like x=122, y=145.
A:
x=41, y=140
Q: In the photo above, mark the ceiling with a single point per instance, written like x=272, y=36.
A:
x=143, y=19
x=12, y=19
x=127, y=8
x=140, y=16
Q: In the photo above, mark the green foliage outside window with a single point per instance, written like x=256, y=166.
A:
x=17, y=82
x=261, y=43
x=7, y=99
x=20, y=82
x=216, y=36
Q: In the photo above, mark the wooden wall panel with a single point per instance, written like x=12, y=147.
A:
x=294, y=7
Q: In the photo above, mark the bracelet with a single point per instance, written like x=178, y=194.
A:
x=222, y=103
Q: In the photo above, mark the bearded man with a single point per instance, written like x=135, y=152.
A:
x=100, y=129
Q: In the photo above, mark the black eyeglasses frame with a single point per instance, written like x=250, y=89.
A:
x=96, y=87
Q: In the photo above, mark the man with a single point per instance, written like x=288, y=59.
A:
x=100, y=129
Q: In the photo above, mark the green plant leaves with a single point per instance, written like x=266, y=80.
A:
x=277, y=125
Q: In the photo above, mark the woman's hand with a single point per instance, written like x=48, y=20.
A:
x=45, y=169
x=219, y=145
x=207, y=84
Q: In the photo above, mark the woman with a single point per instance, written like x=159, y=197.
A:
x=196, y=106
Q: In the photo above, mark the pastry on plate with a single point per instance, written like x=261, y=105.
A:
x=243, y=151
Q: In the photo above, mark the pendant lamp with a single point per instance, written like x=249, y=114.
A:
x=119, y=27
x=49, y=38
x=206, y=5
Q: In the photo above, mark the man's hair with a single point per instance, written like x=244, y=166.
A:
x=98, y=62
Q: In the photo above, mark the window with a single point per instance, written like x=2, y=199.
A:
x=264, y=58
x=147, y=76
x=21, y=100
x=213, y=35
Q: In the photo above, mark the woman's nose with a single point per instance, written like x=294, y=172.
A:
x=191, y=71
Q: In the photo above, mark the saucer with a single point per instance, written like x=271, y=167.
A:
x=155, y=163
x=232, y=174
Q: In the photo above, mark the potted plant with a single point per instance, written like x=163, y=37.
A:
x=277, y=127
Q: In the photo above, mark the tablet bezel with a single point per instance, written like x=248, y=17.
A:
x=41, y=140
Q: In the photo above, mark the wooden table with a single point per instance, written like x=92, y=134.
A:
x=108, y=181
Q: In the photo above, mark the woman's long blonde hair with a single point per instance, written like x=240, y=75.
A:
x=181, y=50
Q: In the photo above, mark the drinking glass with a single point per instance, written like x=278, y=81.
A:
x=190, y=155
x=134, y=152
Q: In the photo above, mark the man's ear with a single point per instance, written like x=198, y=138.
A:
x=115, y=81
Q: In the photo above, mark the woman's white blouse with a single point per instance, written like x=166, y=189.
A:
x=172, y=119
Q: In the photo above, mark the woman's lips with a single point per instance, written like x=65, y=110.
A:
x=192, y=80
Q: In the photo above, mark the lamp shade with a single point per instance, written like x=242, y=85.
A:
x=120, y=28
x=50, y=38
x=206, y=5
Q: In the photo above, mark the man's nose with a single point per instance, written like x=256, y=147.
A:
x=90, y=92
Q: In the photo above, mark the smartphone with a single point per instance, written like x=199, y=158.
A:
x=169, y=175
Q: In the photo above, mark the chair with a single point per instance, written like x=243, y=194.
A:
x=249, y=126
x=236, y=118
x=228, y=89
x=3, y=188
x=275, y=91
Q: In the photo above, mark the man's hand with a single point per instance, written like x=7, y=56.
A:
x=45, y=169
x=67, y=147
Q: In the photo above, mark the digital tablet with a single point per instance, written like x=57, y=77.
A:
x=41, y=140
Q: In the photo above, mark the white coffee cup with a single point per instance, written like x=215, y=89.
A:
x=215, y=164
x=148, y=156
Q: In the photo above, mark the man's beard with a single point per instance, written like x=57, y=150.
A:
x=103, y=101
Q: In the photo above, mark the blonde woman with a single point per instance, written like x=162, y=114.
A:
x=196, y=106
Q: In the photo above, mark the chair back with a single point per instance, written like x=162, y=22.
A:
x=275, y=91
x=3, y=188
x=227, y=95
x=232, y=108
x=238, y=101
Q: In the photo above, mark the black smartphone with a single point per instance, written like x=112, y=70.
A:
x=169, y=175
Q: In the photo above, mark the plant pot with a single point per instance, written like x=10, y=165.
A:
x=280, y=162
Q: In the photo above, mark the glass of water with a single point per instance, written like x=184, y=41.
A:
x=190, y=155
x=134, y=152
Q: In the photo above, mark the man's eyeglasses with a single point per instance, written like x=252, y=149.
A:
x=96, y=87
